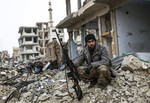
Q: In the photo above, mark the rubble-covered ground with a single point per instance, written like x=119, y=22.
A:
x=131, y=85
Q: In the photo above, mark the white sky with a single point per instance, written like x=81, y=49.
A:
x=17, y=13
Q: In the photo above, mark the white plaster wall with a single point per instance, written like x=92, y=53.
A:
x=53, y=35
x=133, y=27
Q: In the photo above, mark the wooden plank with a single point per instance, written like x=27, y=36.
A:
x=105, y=34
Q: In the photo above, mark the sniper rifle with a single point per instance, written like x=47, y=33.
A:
x=73, y=74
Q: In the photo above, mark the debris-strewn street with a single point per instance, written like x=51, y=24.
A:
x=132, y=85
x=106, y=40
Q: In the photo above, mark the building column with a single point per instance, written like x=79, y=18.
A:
x=32, y=40
x=83, y=34
x=115, y=47
x=25, y=58
x=33, y=56
x=68, y=7
x=99, y=30
x=31, y=30
x=23, y=31
x=72, y=46
x=24, y=49
x=79, y=4
x=24, y=40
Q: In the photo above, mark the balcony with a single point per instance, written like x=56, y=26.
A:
x=29, y=43
x=29, y=51
x=28, y=35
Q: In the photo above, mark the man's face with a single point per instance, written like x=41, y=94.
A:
x=91, y=44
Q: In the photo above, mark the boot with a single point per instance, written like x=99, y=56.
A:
x=92, y=83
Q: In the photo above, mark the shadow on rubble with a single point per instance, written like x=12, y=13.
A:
x=38, y=66
x=17, y=76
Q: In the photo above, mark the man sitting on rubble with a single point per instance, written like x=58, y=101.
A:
x=93, y=63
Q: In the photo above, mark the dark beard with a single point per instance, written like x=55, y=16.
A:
x=91, y=49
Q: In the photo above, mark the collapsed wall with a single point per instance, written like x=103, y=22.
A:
x=53, y=52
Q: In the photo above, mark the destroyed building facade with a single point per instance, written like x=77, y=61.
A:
x=43, y=36
x=28, y=43
x=46, y=35
x=33, y=41
x=4, y=57
x=122, y=26
x=131, y=85
x=16, y=54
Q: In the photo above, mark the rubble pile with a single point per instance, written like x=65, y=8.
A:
x=131, y=85
x=53, y=52
x=4, y=58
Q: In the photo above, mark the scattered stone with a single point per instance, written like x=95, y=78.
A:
x=50, y=86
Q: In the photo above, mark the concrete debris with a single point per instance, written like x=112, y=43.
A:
x=4, y=59
x=133, y=63
x=53, y=54
x=131, y=85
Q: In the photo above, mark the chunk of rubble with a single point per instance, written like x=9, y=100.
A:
x=131, y=63
x=130, y=86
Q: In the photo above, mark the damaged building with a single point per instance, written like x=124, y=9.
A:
x=4, y=57
x=131, y=85
x=122, y=26
x=16, y=54
x=46, y=36
x=28, y=43
x=43, y=36
x=34, y=41
x=116, y=25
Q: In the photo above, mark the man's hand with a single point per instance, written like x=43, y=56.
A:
x=88, y=69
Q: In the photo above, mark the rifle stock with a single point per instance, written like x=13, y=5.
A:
x=73, y=74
